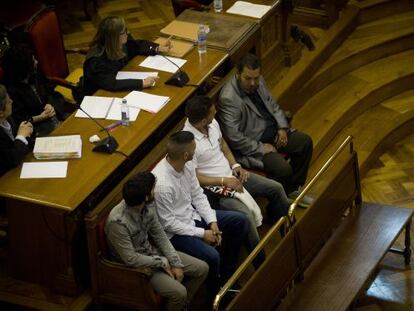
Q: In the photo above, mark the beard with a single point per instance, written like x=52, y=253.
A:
x=150, y=199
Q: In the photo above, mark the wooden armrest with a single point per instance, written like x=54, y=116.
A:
x=147, y=272
x=83, y=51
x=63, y=82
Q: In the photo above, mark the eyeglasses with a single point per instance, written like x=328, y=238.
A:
x=125, y=32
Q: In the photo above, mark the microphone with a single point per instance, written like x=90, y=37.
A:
x=180, y=78
x=106, y=145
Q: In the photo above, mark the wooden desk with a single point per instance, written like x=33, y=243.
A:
x=275, y=47
x=46, y=231
x=268, y=37
x=234, y=34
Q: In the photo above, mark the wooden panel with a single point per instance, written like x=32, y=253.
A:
x=270, y=282
x=319, y=221
x=43, y=247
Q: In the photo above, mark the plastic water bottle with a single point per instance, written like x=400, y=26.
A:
x=218, y=6
x=202, y=39
x=125, y=112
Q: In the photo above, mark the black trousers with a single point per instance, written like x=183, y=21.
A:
x=291, y=174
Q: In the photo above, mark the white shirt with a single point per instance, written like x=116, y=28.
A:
x=209, y=159
x=180, y=200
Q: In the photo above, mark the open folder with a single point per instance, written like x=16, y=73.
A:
x=179, y=48
x=99, y=107
x=180, y=29
x=249, y=9
x=149, y=102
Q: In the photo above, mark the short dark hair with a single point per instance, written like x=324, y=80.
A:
x=137, y=188
x=197, y=108
x=17, y=63
x=177, y=144
x=250, y=61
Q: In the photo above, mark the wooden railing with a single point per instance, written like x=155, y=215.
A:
x=285, y=253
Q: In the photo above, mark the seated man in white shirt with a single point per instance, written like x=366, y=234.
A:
x=216, y=166
x=185, y=213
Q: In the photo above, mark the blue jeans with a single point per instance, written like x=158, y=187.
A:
x=221, y=260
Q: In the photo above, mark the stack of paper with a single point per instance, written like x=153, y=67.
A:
x=249, y=9
x=58, y=147
x=125, y=75
x=145, y=101
x=105, y=108
x=163, y=63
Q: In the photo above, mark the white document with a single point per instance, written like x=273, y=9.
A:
x=123, y=75
x=96, y=106
x=145, y=101
x=159, y=62
x=44, y=170
x=249, y=9
x=115, y=111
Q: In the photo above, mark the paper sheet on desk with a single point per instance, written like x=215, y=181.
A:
x=108, y=108
x=249, y=9
x=44, y=170
x=115, y=112
x=145, y=101
x=96, y=106
x=123, y=75
x=161, y=63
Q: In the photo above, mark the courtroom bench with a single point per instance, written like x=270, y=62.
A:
x=112, y=282
x=329, y=254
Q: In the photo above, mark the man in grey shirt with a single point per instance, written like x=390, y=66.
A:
x=176, y=276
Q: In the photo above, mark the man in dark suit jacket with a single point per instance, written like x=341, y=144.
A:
x=257, y=130
x=13, y=148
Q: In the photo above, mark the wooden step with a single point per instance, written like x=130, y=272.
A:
x=333, y=108
x=377, y=9
x=374, y=130
x=286, y=90
x=367, y=44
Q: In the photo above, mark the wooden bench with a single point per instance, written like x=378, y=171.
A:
x=333, y=249
x=112, y=282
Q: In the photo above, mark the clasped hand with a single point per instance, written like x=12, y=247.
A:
x=213, y=235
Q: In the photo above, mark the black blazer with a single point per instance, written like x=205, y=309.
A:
x=99, y=72
x=12, y=152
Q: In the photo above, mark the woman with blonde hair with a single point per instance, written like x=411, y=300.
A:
x=111, y=49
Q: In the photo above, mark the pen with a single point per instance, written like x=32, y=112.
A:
x=111, y=126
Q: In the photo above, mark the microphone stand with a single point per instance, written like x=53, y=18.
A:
x=180, y=78
x=106, y=145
